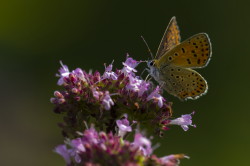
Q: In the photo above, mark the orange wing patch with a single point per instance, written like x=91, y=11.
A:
x=170, y=38
x=194, y=52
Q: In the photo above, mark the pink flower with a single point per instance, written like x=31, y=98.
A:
x=156, y=97
x=109, y=73
x=143, y=144
x=123, y=126
x=64, y=72
x=184, y=121
x=173, y=159
x=96, y=93
x=133, y=84
x=129, y=66
x=107, y=102
x=79, y=73
x=63, y=151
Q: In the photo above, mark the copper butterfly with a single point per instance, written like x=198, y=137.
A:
x=174, y=62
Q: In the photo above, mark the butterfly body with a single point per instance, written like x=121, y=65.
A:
x=173, y=66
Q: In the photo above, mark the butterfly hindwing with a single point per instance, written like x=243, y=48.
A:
x=194, y=52
x=170, y=38
x=183, y=83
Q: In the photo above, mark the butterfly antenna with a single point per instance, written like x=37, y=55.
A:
x=147, y=47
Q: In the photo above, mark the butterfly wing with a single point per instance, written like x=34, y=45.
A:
x=170, y=38
x=183, y=83
x=194, y=52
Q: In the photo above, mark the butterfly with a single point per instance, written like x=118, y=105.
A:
x=174, y=62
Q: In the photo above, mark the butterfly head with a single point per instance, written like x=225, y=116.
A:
x=151, y=63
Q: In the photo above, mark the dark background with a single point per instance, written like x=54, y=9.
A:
x=36, y=34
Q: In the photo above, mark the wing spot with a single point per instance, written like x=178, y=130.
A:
x=195, y=55
x=174, y=83
x=177, y=76
x=176, y=54
x=194, y=43
x=183, y=50
x=193, y=51
x=198, y=61
x=172, y=69
x=196, y=46
x=172, y=75
x=170, y=58
x=187, y=84
x=189, y=76
x=188, y=60
x=178, y=69
x=206, y=54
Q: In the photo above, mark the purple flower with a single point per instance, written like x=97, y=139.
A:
x=99, y=148
x=184, y=121
x=143, y=87
x=96, y=93
x=63, y=151
x=123, y=126
x=79, y=73
x=156, y=96
x=90, y=136
x=64, y=72
x=107, y=102
x=133, y=84
x=129, y=66
x=78, y=145
x=109, y=73
x=173, y=159
x=143, y=144
x=77, y=148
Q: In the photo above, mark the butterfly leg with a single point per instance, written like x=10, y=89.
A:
x=148, y=77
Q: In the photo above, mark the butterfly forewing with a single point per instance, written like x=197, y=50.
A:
x=194, y=52
x=170, y=38
x=183, y=83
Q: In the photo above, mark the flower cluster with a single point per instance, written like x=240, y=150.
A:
x=111, y=101
x=98, y=148
x=102, y=98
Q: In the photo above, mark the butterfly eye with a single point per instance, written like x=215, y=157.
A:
x=151, y=63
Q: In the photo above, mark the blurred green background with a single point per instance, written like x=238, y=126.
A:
x=36, y=34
